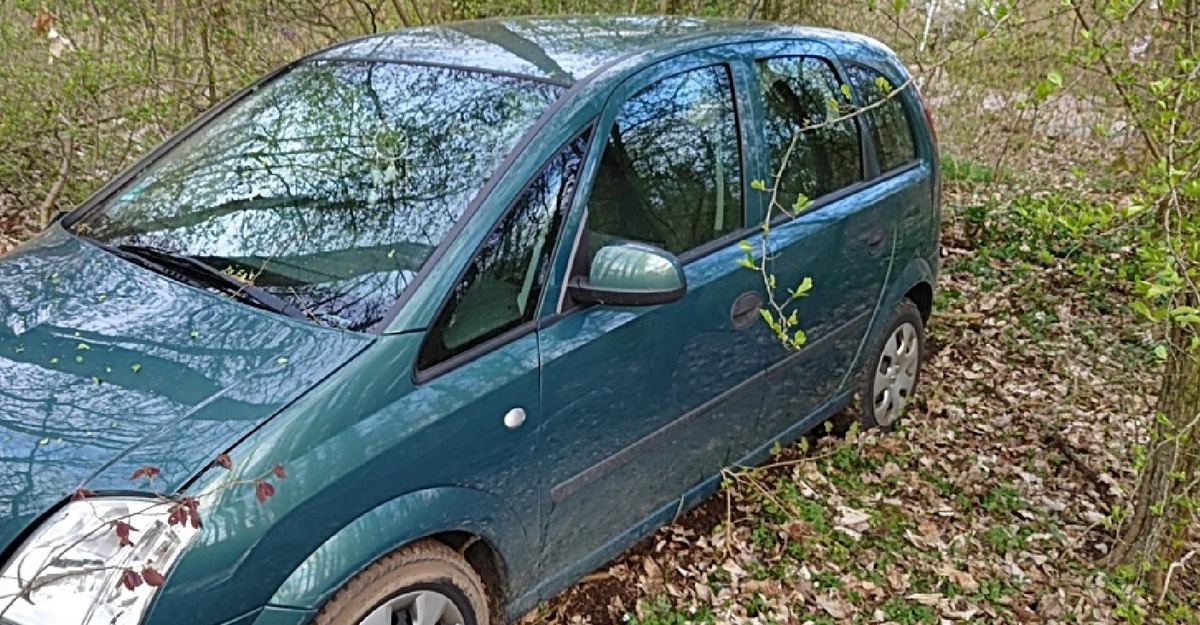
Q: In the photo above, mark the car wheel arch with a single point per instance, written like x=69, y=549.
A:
x=477, y=524
x=916, y=279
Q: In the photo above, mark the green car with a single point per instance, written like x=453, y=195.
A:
x=425, y=326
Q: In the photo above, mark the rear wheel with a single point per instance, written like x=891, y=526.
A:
x=426, y=583
x=892, y=369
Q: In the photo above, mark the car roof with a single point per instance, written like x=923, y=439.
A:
x=565, y=50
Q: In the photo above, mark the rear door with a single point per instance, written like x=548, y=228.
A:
x=841, y=235
x=640, y=403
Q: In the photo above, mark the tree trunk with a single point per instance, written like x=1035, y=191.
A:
x=1166, y=500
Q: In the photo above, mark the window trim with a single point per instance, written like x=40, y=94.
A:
x=423, y=375
x=845, y=192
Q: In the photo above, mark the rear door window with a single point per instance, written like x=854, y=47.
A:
x=807, y=121
x=890, y=126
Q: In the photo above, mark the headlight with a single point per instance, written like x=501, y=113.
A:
x=72, y=565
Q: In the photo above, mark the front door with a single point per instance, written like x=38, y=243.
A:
x=640, y=403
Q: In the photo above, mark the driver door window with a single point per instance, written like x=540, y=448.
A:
x=671, y=173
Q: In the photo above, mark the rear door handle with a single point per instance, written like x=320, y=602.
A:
x=875, y=237
x=745, y=308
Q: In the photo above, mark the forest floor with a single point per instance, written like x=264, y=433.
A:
x=993, y=502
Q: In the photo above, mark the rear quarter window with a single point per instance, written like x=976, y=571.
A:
x=891, y=127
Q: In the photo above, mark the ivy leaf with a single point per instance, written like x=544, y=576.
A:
x=279, y=472
x=223, y=460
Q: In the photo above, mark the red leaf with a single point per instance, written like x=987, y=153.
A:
x=263, y=490
x=130, y=579
x=184, y=511
x=145, y=472
x=177, y=515
x=43, y=21
x=224, y=460
x=81, y=493
x=278, y=471
x=152, y=576
x=193, y=511
x=122, y=530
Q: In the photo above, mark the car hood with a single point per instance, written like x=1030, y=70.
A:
x=106, y=366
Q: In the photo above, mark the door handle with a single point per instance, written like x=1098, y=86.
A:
x=875, y=237
x=745, y=309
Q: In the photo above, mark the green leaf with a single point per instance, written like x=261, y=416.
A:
x=1160, y=352
x=748, y=263
x=135, y=367
x=1142, y=309
x=758, y=185
x=846, y=90
x=802, y=202
x=281, y=361
x=746, y=246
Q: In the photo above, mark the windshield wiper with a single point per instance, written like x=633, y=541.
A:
x=206, y=275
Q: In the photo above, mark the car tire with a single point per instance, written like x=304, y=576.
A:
x=892, y=368
x=426, y=575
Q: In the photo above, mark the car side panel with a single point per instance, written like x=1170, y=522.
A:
x=363, y=439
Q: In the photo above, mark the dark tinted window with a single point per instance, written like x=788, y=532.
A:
x=671, y=173
x=332, y=184
x=802, y=101
x=503, y=284
x=890, y=125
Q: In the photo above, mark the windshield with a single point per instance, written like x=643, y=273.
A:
x=331, y=185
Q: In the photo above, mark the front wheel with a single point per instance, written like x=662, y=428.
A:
x=893, y=367
x=426, y=583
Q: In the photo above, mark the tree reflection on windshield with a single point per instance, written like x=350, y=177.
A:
x=332, y=185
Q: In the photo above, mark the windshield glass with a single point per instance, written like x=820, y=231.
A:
x=330, y=186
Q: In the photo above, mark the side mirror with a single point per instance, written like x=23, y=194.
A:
x=630, y=274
